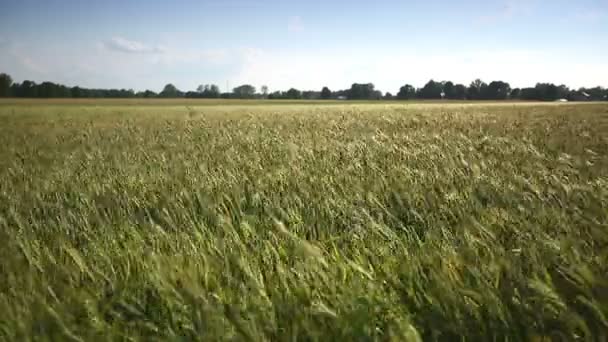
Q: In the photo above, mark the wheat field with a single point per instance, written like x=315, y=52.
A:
x=250, y=221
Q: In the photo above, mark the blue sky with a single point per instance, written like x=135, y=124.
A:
x=304, y=44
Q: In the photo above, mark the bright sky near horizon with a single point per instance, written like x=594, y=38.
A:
x=304, y=44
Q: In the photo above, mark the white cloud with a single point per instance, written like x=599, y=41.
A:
x=130, y=46
x=176, y=56
x=295, y=24
x=166, y=55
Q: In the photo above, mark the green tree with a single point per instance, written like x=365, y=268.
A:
x=497, y=90
x=294, y=94
x=325, y=93
x=362, y=91
x=5, y=85
x=407, y=92
x=595, y=93
x=431, y=90
x=149, y=93
x=551, y=92
x=529, y=94
x=169, y=91
x=460, y=92
x=208, y=91
x=311, y=95
x=276, y=95
x=515, y=94
x=449, y=90
x=77, y=92
x=477, y=90
x=245, y=91
x=28, y=89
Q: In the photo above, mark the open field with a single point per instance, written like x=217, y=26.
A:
x=204, y=220
x=154, y=102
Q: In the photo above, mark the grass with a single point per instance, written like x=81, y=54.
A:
x=282, y=222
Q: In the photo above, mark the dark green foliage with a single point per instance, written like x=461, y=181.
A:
x=478, y=90
x=293, y=94
x=245, y=91
x=5, y=85
x=407, y=92
x=325, y=93
x=170, y=91
x=431, y=90
x=363, y=92
x=207, y=91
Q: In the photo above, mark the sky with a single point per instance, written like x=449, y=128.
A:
x=303, y=44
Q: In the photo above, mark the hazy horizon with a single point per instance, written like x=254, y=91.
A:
x=308, y=45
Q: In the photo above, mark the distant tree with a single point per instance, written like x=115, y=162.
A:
x=146, y=94
x=477, y=90
x=325, y=93
x=46, y=90
x=497, y=90
x=515, y=94
x=460, y=92
x=245, y=91
x=388, y=96
x=169, y=91
x=547, y=91
x=28, y=89
x=149, y=94
x=293, y=94
x=407, y=92
x=528, y=94
x=208, y=91
x=276, y=95
x=193, y=95
x=14, y=91
x=563, y=91
x=311, y=95
x=431, y=90
x=595, y=93
x=5, y=85
x=78, y=92
x=340, y=93
x=449, y=90
x=550, y=92
x=362, y=91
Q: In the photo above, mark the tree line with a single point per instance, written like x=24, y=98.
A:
x=477, y=90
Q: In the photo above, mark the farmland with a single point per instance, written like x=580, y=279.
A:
x=244, y=220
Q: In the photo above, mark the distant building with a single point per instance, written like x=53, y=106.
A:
x=580, y=96
x=341, y=97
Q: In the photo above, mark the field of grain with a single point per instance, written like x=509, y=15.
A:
x=311, y=222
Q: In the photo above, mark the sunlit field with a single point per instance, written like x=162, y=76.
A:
x=308, y=221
